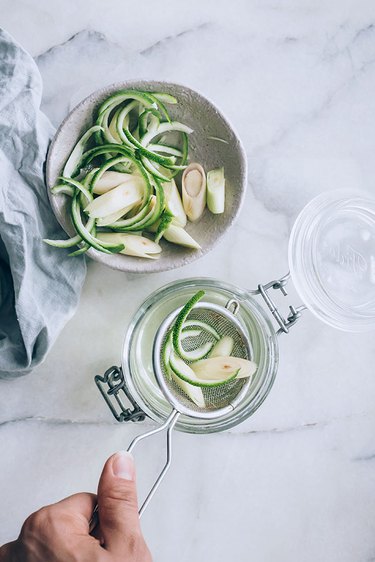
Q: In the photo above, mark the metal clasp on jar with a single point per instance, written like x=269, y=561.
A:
x=294, y=312
x=113, y=388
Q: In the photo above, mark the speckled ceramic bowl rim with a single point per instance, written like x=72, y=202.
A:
x=158, y=265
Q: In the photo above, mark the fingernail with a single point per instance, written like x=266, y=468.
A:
x=123, y=465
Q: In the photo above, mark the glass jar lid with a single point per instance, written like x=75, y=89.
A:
x=332, y=259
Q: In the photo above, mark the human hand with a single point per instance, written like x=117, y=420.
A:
x=60, y=532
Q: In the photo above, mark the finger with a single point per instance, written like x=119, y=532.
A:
x=80, y=505
x=118, y=506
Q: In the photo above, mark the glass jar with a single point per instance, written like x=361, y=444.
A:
x=137, y=352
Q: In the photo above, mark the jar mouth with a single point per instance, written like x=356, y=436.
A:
x=137, y=352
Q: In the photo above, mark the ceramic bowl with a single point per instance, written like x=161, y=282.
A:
x=209, y=125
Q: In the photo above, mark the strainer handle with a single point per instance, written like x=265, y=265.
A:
x=168, y=425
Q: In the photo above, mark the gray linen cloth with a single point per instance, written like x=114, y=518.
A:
x=39, y=285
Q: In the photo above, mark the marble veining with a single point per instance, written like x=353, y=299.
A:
x=294, y=483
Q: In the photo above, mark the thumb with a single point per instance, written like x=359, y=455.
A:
x=117, y=502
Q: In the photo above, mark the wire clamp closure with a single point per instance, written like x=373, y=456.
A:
x=294, y=312
x=113, y=389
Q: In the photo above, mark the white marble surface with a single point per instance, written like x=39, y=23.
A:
x=296, y=482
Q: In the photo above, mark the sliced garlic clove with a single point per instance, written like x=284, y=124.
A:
x=193, y=392
x=124, y=195
x=174, y=203
x=194, y=191
x=139, y=245
x=215, y=368
x=135, y=245
x=111, y=179
x=178, y=235
x=216, y=191
x=223, y=347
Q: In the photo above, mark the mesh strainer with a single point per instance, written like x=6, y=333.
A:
x=220, y=400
